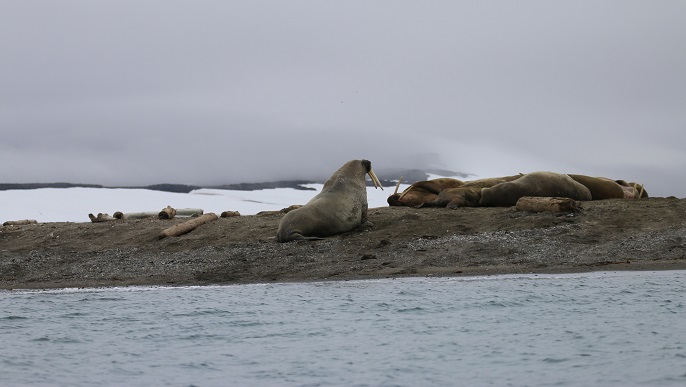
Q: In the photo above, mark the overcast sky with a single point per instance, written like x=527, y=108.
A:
x=210, y=92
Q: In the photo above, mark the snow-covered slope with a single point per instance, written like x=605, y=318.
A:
x=74, y=204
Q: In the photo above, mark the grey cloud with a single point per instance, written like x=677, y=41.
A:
x=217, y=92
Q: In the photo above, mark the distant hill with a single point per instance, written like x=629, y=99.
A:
x=9, y=186
x=176, y=188
x=179, y=188
x=295, y=184
x=388, y=179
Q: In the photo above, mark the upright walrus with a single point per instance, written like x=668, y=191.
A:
x=340, y=207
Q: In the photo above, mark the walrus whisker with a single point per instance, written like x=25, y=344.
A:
x=398, y=185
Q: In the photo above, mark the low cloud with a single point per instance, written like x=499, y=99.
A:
x=153, y=92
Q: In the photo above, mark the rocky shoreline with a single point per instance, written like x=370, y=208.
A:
x=616, y=234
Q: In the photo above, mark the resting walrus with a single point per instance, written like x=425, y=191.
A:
x=632, y=190
x=601, y=188
x=534, y=184
x=422, y=192
x=340, y=207
x=466, y=195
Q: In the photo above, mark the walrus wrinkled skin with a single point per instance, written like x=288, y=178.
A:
x=422, y=192
x=339, y=208
x=466, y=195
x=534, y=184
x=601, y=188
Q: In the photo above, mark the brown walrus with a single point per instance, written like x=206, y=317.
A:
x=340, y=207
x=466, y=195
x=549, y=184
x=600, y=187
x=632, y=190
x=422, y=192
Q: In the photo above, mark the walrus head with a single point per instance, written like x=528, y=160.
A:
x=368, y=167
x=633, y=190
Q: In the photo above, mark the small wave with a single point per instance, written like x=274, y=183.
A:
x=411, y=310
x=59, y=340
x=12, y=318
x=354, y=333
x=553, y=360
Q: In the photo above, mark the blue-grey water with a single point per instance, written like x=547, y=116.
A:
x=599, y=329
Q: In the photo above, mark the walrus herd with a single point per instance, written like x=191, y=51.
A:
x=505, y=191
x=341, y=206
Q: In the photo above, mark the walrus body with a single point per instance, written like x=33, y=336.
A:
x=339, y=208
x=601, y=188
x=422, y=192
x=466, y=195
x=534, y=184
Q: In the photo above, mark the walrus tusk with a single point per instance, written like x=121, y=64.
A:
x=405, y=191
x=375, y=180
x=398, y=185
x=641, y=192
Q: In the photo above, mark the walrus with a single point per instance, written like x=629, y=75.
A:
x=632, y=190
x=466, y=195
x=601, y=188
x=534, y=184
x=422, y=192
x=340, y=207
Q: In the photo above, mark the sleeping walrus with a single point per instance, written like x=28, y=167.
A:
x=600, y=187
x=466, y=195
x=534, y=184
x=422, y=192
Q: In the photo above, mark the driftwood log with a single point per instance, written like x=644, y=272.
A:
x=101, y=218
x=189, y=212
x=167, y=213
x=152, y=214
x=135, y=215
x=21, y=222
x=188, y=226
x=549, y=204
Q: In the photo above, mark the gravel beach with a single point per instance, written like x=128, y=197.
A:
x=645, y=234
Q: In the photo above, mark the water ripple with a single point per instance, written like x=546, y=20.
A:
x=571, y=330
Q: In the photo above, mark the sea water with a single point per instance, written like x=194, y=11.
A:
x=603, y=329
